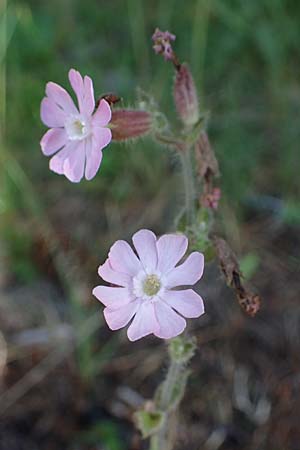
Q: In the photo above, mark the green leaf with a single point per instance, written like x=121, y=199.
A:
x=149, y=422
x=181, y=349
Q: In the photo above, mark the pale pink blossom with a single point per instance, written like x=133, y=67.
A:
x=146, y=285
x=77, y=135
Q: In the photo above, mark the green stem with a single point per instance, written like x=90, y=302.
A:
x=189, y=185
x=164, y=438
x=171, y=392
x=169, y=383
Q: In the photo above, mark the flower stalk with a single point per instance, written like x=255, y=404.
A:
x=164, y=438
x=171, y=391
x=199, y=164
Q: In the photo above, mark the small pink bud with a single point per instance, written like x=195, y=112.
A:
x=211, y=199
x=130, y=124
x=162, y=44
x=185, y=96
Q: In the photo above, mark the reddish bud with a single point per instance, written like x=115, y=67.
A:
x=250, y=303
x=211, y=199
x=185, y=96
x=130, y=124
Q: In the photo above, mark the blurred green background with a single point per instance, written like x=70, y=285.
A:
x=245, y=59
x=246, y=62
x=244, y=56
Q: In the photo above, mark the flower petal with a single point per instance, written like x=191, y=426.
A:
x=119, y=318
x=102, y=115
x=93, y=164
x=53, y=140
x=144, y=322
x=74, y=164
x=188, y=273
x=102, y=137
x=61, y=98
x=123, y=259
x=111, y=276
x=187, y=302
x=77, y=84
x=56, y=163
x=88, y=103
x=113, y=297
x=93, y=159
x=170, y=323
x=170, y=248
x=145, y=245
x=51, y=114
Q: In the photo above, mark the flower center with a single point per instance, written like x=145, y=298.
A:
x=77, y=128
x=151, y=285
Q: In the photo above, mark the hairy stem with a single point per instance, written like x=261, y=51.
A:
x=169, y=384
x=171, y=392
x=164, y=438
x=172, y=389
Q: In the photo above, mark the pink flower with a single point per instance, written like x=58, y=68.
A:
x=76, y=137
x=146, y=286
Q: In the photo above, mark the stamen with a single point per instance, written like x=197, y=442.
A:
x=151, y=285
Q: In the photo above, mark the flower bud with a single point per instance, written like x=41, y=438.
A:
x=162, y=44
x=250, y=303
x=185, y=96
x=130, y=124
x=211, y=198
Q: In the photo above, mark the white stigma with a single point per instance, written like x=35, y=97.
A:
x=77, y=128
